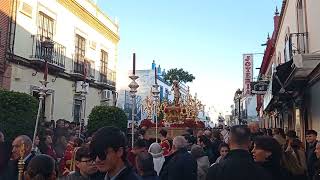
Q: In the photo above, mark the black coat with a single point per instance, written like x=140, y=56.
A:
x=275, y=170
x=179, y=165
x=237, y=165
x=151, y=176
x=311, y=158
x=13, y=167
x=128, y=174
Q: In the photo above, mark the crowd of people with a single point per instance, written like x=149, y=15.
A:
x=241, y=152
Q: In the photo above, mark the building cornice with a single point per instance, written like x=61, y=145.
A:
x=74, y=7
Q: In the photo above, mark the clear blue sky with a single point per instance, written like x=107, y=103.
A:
x=205, y=37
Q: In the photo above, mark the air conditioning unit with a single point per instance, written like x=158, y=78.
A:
x=82, y=86
x=106, y=95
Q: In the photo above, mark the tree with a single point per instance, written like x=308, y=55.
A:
x=101, y=116
x=179, y=75
x=18, y=112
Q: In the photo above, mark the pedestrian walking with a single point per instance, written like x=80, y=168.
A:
x=145, y=166
x=108, y=148
x=180, y=164
x=311, y=138
x=238, y=164
x=17, y=144
x=202, y=161
x=316, y=175
x=165, y=143
x=294, y=158
x=46, y=146
x=158, y=158
x=85, y=167
x=267, y=152
x=206, y=144
x=4, y=159
x=223, y=151
x=41, y=167
x=278, y=134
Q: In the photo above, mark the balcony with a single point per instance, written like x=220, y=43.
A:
x=107, y=78
x=78, y=70
x=296, y=44
x=56, y=60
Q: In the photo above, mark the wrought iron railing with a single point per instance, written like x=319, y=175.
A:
x=108, y=78
x=79, y=68
x=297, y=43
x=57, y=57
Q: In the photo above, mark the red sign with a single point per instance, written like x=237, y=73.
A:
x=247, y=73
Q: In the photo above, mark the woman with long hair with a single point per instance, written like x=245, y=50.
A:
x=46, y=146
x=41, y=167
x=267, y=153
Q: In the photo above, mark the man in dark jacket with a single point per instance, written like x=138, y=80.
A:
x=180, y=164
x=108, y=149
x=238, y=164
x=311, y=138
x=17, y=144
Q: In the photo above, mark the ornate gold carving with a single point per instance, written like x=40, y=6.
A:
x=21, y=162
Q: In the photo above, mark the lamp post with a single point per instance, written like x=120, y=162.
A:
x=239, y=93
x=83, y=93
x=46, y=53
x=133, y=90
x=155, y=93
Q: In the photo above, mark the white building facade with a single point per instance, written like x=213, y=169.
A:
x=85, y=44
x=292, y=100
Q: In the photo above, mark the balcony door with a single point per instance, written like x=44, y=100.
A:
x=45, y=26
x=301, y=17
x=80, y=50
x=301, y=22
x=104, y=65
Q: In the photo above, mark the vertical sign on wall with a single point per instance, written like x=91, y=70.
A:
x=247, y=73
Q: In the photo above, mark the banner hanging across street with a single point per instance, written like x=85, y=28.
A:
x=247, y=73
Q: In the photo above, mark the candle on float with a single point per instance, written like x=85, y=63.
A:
x=134, y=64
x=155, y=75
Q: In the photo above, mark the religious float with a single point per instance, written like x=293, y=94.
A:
x=175, y=116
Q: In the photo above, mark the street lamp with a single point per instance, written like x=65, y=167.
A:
x=155, y=93
x=239, y=93
x=46, y=53
x=133, y=90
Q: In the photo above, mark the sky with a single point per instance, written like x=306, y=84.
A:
x=205, y=37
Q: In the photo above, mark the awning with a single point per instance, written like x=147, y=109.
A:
x=293, y=75
x=280, y=76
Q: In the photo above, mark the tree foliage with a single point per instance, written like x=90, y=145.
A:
x=101, y=116
x=18, y=112
x=179, y=75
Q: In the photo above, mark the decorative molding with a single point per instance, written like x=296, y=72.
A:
x=88, y=18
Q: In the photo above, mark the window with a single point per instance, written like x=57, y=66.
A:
x=45, y=25
x=77, y=110
x=104, y=62
x=80, y=48
x=287, y=49
x=300, y=17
